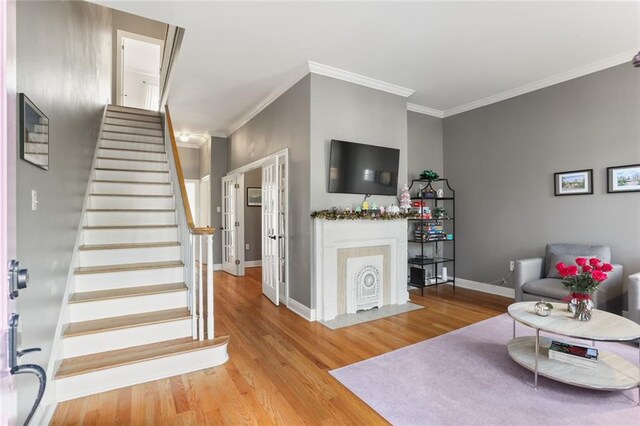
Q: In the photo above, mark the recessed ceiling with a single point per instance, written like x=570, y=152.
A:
x=453, y=54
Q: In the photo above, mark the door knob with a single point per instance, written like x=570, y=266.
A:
x=273, y=237
x=18, y=279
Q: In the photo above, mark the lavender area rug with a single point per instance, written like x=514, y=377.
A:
x=466, y=377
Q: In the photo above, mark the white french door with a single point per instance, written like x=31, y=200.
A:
x=229, y=225
x=8, y=395
x=271, y=235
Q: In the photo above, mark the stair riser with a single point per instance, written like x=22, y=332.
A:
x=131, y=165
x=114, y=202
x=133, y=111
x=132, y=235
x=128, y=279
x=132, y=176
x=155, y=147
x=131, y=374
x=132, y=138
x=130, y=218
x=99, y=309
x=108, y=128
x=126, y=256
x=132, y=155
x=130, y=188
x=134, y=123
x=123, y=338
x=134, y=117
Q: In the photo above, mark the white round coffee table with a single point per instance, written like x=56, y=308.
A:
x=612, y=372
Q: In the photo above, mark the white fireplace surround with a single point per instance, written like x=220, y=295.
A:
x=361, y=247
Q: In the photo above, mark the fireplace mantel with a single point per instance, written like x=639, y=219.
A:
x=376, y=245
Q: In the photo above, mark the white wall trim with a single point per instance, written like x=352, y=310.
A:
x=217, y=266
x=218, y=135
x=195, y=141
x=297, y=307
x=362, y=80
x=485, y=288
x=252, y=263
x=295, y=77
x=546, y=82
x=425, y=110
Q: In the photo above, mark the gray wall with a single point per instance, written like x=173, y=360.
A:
x=190, y=160
x=64, y=66
x=285, y=124
x=424, y=144
x=252, y=219
x=133, y=24
x=501, y=159
x=219, y=168
x=346, y=111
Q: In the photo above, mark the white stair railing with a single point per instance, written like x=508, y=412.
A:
x=195, y=242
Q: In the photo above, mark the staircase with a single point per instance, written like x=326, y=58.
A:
x=129, y=312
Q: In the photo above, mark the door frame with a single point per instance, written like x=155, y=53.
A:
x=238, y=181
x=284, y=295
x=120, y=34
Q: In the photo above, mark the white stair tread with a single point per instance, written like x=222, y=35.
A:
x=131, y=159
x=93, y=228
x=105, y=360
x=117, y=293
x=128, y=246
x=93, y=194
x=132, y=150
x=132, y=110
x=127, y=267
x=131, y=170
x=146, y=182
x=126, y=321
x=131, y=210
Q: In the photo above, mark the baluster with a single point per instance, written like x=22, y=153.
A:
x=189, y=266
x=209, y=286
x=200, y=296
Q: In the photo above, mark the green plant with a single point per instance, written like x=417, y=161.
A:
x=429, y=175
x=439, y=212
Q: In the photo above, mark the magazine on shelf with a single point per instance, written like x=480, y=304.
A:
x=584, y=356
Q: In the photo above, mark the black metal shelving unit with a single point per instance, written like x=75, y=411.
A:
x=434, y=262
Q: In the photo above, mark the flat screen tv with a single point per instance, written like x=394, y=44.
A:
x=356, y=168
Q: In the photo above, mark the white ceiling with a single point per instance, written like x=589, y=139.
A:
x=454, y=55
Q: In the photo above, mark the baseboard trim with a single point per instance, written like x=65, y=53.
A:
x=486, y=288
x=297, y=307
x=252, y=263
x=217, y=266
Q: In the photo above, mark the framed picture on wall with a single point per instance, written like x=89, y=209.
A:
x=33, y=133
x=254, y=197
x=575, y=182
x=623, y=178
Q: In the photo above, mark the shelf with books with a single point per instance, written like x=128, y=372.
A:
x=428, y=265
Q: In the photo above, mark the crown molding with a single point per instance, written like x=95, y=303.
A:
x=546, y=82
x=219, y=135
x=295, y=77
x=362, y=80
x=195, y=141
x=425, y=110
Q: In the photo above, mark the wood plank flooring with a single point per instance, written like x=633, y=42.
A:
x=278, y=367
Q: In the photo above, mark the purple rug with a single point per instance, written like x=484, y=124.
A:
x=467, y=377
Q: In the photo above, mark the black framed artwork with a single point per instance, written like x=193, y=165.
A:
x=623, y=178
x=574, y=182
x=34, y=134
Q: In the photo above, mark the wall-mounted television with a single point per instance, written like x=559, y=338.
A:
x=356, y=168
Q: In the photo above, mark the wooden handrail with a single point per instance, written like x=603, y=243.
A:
x=183, y=188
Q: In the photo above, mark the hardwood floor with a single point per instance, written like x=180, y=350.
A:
x=279, y=363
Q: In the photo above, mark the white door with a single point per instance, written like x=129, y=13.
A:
x=8, y=399
x=138, y=76
x=271, y=230
x=229, y=226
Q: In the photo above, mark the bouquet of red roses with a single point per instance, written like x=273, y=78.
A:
x=586, y=276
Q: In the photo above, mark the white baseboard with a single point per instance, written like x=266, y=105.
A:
x=486, y=288
x=297, y=307
x=217, y=266
x=252, y=263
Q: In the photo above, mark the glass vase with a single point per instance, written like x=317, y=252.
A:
x=581, y=306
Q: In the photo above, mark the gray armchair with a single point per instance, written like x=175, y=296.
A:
x=537, y=278
x=633, y=292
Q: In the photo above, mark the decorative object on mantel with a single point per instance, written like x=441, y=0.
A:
x=429, y=175
x=365, y=205
x=543, y=308
x=440, y=192
x=583, y=280
x=358, y=214
x=405, y=199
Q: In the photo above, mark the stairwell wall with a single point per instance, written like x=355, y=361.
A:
x=64, y=67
